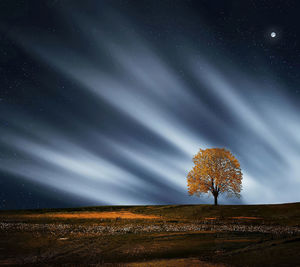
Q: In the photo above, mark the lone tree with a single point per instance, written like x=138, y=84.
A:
x=216, y=171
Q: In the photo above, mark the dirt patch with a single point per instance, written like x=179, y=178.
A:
x=246, y=218
x=237, y=218
x=9, y=262
x=236, y=240
x=93, y=215
x=174, y=262
x=182, y=233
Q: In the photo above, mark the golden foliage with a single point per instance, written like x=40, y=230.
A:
x=216, y=171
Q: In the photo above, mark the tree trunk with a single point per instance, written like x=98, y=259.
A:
x=216, y=200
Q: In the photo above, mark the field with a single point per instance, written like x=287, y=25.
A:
x=173, y=235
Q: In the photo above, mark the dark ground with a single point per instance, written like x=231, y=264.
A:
x=178, y=235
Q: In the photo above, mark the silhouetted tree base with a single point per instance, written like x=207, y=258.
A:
x=216, y=201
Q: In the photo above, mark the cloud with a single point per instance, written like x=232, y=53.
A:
x=164, y=117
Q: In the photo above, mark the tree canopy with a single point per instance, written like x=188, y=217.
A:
x=216, y=171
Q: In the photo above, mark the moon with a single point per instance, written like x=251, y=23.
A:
x=273, y=34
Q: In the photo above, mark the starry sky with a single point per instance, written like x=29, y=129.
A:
x=106, y=102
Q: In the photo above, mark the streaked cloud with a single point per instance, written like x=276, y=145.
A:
x=165, y=118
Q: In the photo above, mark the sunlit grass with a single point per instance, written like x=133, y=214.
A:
x=92, y=215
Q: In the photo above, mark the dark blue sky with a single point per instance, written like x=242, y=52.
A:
x=106, y=102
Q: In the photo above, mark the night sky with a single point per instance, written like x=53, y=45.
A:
x=106, y=102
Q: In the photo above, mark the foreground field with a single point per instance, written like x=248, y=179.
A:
x=177, y=235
